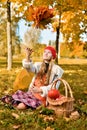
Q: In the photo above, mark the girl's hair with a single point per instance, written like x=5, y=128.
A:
x=44, y=70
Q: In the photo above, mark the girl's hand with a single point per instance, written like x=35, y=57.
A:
x=35, y=89
x=28, y=53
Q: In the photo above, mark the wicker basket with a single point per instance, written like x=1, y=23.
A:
x=63, y=106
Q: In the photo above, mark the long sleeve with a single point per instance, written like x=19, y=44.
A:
x=30, y=66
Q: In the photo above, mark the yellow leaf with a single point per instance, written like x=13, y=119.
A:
x=15, y=115
x=49, y=128
x=16, y=126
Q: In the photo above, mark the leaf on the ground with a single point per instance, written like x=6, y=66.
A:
x=15, y=115
x=1, y=111
x=67, y=119
x=74, y=115
x=85, y=92
x=49, y=128
x=81, y=102
x=7, y=91
x=47, y=118
x=16, y=126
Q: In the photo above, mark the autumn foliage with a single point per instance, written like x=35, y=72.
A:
x=20, y=1
x=41, y=15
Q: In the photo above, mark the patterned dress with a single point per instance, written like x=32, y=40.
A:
x=39, y=81
x=31, y=100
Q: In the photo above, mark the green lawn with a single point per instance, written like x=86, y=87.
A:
x=10, y=118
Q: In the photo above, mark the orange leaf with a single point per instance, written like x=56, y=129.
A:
x=29, y=13
x=39, y=14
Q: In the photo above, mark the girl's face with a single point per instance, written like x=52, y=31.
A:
x=47, y=55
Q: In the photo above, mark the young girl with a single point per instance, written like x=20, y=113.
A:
x=46, y=72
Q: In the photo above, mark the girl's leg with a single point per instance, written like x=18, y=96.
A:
x=21, y=106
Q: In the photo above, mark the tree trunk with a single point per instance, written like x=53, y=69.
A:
x=9, y=37
x=57, y=39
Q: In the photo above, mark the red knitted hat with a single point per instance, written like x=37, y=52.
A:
x=53, y=51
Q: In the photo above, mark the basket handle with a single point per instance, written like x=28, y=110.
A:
x=66, y=85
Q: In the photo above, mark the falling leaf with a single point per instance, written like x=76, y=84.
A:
x=40, y=15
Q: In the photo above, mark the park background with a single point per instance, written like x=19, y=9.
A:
x=63, y=25
x=69, y=31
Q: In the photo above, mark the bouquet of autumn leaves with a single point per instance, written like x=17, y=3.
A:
x=41, y=15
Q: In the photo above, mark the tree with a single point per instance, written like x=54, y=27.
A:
x=3, y=34
x=76, y=49
x=42, y=15
x=66, y=9
x=9, y=35
x=9, y=31
x=63, y=8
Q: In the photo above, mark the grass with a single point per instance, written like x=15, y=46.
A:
x=43, y=119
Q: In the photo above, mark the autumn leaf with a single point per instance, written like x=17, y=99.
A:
x=48, y=118
x=29, y=13
x=16, y=126
x=15, y=115
x=49, y=128
x=40, y=15
x=20, y=1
